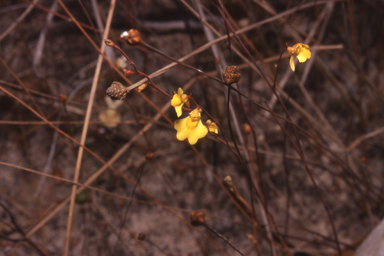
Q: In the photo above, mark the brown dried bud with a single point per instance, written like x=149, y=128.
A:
x=197, y=218
x=109, y=42
x=132, y=36
x=231, y=75
x=247, y=128
x=128, y=72
x=117, y=91
x=141, y=237
x=149, y=155
x=62, y=97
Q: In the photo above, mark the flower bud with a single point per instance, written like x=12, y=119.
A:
x=212, y=127
x=141, y=87
x=108, y=42
x=231, y=75
x=117, y=91
x=128, y=72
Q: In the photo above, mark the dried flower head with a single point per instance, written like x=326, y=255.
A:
x=178, y=101
x=62, y=97
x=132, y=36
x=247, y=128
x=231, y=75
x=141, y=237
x=301, y=51
x=197, y=218
x=110, y=118
x=117, y=91
x=121, y=62
x=191, y=127
x=149, y=155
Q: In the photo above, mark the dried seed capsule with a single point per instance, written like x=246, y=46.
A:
x=63, y=97
x=117, y=91
x=149, y=155
x=197, y=218
x=231, y=75
x=141, y=237
x=132, y=36
x=247, y=128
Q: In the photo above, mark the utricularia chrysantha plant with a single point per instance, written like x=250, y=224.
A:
x=190, y=127
x=301, y=51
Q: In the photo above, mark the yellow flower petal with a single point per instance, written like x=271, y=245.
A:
x=179, y=110
x=304, y=55
x=292, y=63
x=191, y=127
x=182, y=131
x=180, y=92
x=199, y=132
x=176, y=101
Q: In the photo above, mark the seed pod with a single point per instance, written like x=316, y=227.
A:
x=117, y=91
x=197, y=218
x=149, y=155
x=231, y=75
x=132, y=36
x=141, y=237
x=63, y=97
x=247, y=128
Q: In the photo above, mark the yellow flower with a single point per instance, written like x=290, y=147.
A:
x=301, y=51
x=212, y=127
x=191, y=127
x=178, y=101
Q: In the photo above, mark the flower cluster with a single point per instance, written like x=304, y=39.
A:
x=302, y=53
x=190, y=127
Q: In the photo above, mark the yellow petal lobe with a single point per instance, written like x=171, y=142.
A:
x=199, y=132
x=292, y=63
